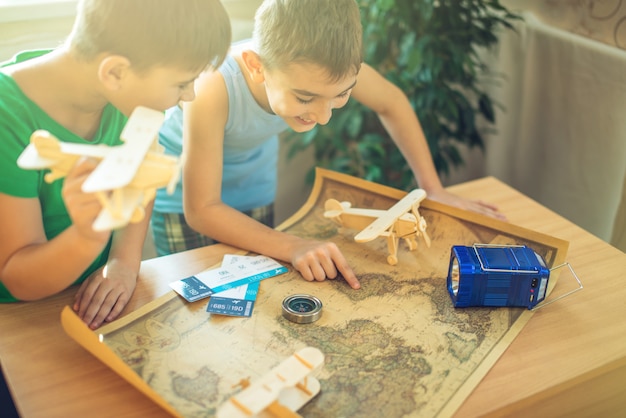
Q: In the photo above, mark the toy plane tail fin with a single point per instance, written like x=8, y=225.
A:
x=47, y=145
x=334, y=208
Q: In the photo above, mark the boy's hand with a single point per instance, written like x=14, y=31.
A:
x=103, y=296
x=82, y=207
x=478, y=206
x=321, y=260
x=107, y=291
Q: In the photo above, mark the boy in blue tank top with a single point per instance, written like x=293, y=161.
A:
x=120, y=54
x=303, y=61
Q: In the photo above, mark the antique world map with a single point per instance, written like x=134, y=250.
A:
x=394, y=348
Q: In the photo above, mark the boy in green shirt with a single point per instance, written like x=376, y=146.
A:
x=120, y=54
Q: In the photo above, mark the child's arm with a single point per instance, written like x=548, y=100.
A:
x=31, y=267
x=204, y=121
x=399, y=119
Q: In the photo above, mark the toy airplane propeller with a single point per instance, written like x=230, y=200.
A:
x=402, y=220
x=281, y=392
x=127, y=176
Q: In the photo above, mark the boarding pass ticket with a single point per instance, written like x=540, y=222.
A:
x=235, y=276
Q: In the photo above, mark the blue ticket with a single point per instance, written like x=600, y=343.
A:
x=191, y=289
x=235, y=272
x=238, y=301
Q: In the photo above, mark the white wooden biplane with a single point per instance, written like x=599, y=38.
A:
x=402, y=220
x=127, y=176
x=279, y=393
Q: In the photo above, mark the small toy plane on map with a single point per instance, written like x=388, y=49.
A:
x=281, y=392
x=127, y=176
x=402, y=220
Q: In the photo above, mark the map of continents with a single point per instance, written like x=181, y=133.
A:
x=394, y=348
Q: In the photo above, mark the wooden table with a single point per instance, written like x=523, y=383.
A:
x=570, y=359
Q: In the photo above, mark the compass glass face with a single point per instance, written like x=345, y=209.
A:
x=302, y=305
x=302, y=309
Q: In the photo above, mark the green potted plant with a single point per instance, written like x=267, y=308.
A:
x=431, y=50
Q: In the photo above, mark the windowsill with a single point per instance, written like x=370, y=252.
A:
x=22, y=10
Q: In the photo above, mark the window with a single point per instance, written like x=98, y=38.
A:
x=20, y=10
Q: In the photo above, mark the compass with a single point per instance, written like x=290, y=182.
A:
x=302, y=309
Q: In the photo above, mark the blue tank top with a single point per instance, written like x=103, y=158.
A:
x=250, y=148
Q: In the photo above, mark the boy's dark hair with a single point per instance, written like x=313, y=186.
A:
x=327, y=33
x=189, y=34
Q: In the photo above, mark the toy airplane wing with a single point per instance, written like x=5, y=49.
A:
x=118, y=168
x=45, y=150
x=334, y=208
x=281, y=392
x=386, y=220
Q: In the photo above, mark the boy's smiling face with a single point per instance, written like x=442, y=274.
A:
x=303, y=95
x=160, y=88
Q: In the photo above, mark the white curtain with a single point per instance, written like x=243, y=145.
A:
x=561, y=138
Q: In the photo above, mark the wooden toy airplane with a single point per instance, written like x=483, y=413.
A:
x=127, y=176
x=402, y=220
x=281, y=392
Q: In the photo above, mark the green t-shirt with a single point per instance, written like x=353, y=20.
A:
x=19, y=118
